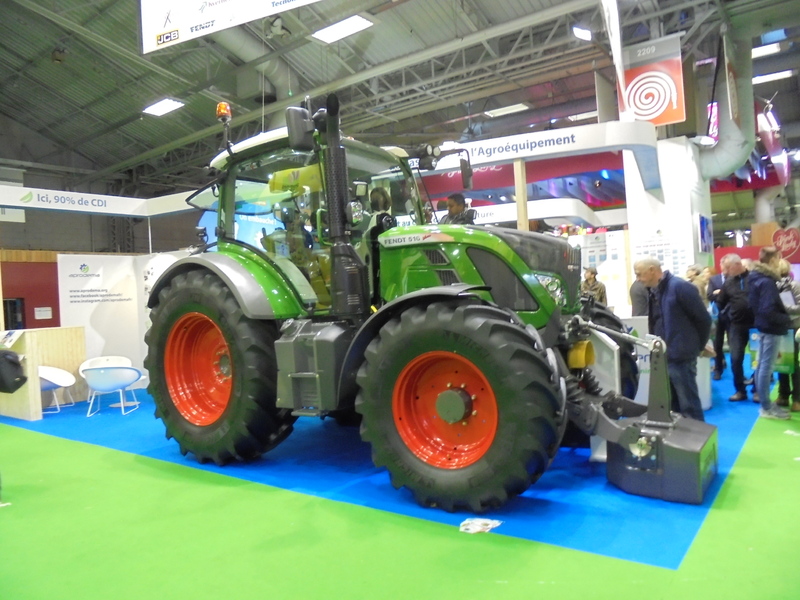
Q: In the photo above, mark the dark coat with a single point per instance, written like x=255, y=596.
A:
x=640, y=297
x=685, y=323
x=734, y=300
x=714, y=283
x=765, y=300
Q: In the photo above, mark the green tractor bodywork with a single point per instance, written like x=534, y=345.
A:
x=455, y=346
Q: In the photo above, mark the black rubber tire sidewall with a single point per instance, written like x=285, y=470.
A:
x=250, y=424
x=521, y=379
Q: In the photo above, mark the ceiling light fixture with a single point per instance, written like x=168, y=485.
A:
x=163, y=107
x=342, y=29
x=582, y=33
x=765, y=50
x=772, y=77
x=506, y=110
x=592, y=114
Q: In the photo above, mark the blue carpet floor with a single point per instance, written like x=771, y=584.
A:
x=572, y=505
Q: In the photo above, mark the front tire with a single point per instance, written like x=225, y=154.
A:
x=213, y=372
x=458, y=405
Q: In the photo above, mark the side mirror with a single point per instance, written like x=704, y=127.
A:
x=300, y=127
x=354, y=211
x=466, y=174
x=360, y=191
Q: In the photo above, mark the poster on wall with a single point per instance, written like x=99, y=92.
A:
x=100, y=293
x=672, y=258
x=706, y=234
x=788, y=242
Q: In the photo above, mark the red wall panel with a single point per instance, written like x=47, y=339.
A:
x=37, y=283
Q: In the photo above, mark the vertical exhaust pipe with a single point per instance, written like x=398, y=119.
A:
x=349, y=283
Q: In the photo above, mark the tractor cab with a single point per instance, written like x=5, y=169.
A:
x=273, y=199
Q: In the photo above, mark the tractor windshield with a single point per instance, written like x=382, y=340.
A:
x=390, y=187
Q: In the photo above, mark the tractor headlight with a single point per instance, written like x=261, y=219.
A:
x=554, y=288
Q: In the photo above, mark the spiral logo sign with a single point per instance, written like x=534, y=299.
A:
x=654, y=81
x=650, y=94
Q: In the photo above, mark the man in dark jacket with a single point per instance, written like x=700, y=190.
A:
x=772, y=322
x=683, y=322
x=713, y=290
x=733, y=300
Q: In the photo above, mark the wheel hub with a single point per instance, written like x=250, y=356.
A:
x=445, y=409
x=453, y=405
x=198, y=369
x=223, y=365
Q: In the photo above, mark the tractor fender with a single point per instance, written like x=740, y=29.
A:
x=370, y=328
x=243, y=283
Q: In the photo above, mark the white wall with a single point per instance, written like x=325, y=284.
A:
x=667, y=220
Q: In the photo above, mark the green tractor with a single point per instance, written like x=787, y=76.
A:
x=464, y=351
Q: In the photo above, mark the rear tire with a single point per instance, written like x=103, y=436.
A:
x=213, y=372
x=458, y=405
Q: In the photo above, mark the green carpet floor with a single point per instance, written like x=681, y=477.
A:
x=87, y=523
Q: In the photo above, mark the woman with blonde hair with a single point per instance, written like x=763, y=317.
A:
x=789, y=385
x=698, y=277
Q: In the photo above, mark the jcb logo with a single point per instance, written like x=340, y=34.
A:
x=170, y=36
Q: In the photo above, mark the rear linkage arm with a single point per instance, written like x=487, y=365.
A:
x=590, y=411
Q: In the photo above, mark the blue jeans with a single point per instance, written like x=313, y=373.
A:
x=738, y=336
x=683, y=377
x=767, y=353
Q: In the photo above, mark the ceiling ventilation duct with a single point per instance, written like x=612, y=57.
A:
x=277, y=78
x=735, y=142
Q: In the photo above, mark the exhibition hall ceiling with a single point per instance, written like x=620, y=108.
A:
x=74, y=79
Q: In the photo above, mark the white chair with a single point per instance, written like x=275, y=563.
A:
x=105, y=361
x=106, y=374
x=50, y=380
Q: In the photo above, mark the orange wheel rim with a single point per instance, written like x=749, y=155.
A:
x=445, y=410
x=198, y=369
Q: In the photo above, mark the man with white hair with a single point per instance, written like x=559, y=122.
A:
x=679, y=317
x=734, y=302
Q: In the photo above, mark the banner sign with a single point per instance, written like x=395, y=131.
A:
x=169, y=22
x=654, y=77
x=788, y=242
x=638, y=137
x=23, y=198
x=99, y=292
x=611, y=22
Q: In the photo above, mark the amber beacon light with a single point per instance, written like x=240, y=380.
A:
x=224, y=112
